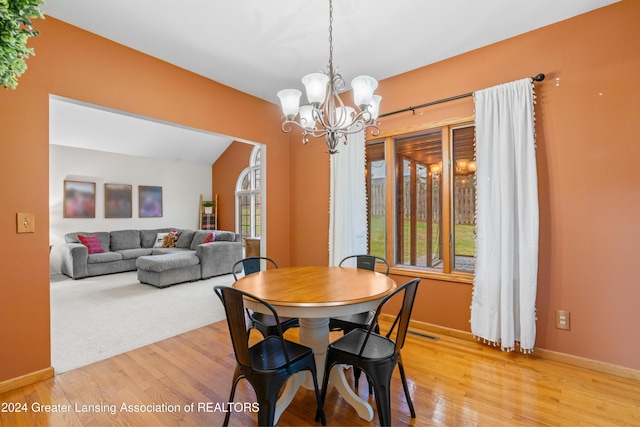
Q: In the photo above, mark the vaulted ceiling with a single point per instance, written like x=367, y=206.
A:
x=260, y=47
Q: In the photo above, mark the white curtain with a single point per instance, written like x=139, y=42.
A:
x=504, y=294
x=348, y=204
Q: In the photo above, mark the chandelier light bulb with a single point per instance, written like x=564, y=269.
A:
x=316, y=86
x=290, y=101
x=306, y=117
x=363, y=88
x=343, y=116
x=374, y=106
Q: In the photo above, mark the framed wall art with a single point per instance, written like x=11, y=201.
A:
x=117, y=201
x=150, y=201
x=79, y=199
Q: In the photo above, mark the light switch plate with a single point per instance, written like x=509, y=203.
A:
x=25, y=223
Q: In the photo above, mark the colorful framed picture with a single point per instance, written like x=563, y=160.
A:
x=117, y=201
x=79, y=199
x=150, y=201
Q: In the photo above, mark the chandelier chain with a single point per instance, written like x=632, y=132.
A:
x=330, y=37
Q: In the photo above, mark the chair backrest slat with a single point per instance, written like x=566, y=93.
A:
x=251, y=265
x=367, y=262
x=405, y=313
x=408, y=290
x=233, y=301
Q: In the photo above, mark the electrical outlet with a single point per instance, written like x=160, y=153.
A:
x=563, y=320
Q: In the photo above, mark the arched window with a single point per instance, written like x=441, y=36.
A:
x=248, y=198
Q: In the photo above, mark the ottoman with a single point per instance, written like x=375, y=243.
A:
x=166, y=270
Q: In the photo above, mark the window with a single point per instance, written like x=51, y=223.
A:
x=248, y=197
x=427, y=177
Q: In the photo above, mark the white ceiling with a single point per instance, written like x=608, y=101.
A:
x=92, y=127
x=260, y=47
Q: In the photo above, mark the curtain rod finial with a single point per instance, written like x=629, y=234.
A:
x=538, y=78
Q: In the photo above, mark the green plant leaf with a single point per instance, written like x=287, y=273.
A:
x=15, y=31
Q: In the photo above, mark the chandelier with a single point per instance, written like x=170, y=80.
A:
x=326, y=114
x=465, y=167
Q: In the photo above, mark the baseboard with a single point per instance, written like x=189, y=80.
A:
x=27, y=379
x=567, y=359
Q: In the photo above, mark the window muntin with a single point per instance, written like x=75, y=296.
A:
x=463, y=199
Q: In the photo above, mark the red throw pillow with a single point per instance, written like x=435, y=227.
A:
x=210, y=238
x=92, y=242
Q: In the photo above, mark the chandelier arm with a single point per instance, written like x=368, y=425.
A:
x=356, y=123
x=316, y=133
x=286, y=125
x=375, y=130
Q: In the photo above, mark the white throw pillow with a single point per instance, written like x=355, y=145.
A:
x=159, y=240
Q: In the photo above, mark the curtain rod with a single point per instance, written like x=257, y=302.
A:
x=538, y=78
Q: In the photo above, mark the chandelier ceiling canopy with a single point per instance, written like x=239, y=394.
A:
x=326, y=114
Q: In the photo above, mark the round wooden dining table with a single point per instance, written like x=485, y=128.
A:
x=314, y=294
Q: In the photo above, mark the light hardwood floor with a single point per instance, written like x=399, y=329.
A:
x=453, y=382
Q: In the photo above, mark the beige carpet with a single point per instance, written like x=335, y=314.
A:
x=98, y=317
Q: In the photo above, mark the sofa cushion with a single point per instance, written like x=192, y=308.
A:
x=225, y=236
x=92, y=243
x=167, y=262
x=185, y=237
x=148, y=237
x=159, y=240
x=125, y=239
x=198, y=238
x=103, y=236
x=134, y=253
x=104, y=257
x=161, y=251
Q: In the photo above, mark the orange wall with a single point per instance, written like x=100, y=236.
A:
x=588, y=181
x=76, y=64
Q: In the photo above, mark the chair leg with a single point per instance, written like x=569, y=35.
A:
x=381, y=378
x=406, y=388
x=236, y=378
x=320, y=410
x=266, y=413
x=356, y=378
x=383, y=400
x=267, y=396
x=325, y=383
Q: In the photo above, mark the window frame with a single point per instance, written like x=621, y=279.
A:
x=254, y=168
x=447, y=273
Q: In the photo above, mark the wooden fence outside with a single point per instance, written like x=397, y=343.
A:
x=464, y=201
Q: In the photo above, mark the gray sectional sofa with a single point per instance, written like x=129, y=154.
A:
x=130, y=250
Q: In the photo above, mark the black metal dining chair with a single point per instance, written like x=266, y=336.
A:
x=358, y=320
x=268, y=364
x=375, y=354
x=265, y=323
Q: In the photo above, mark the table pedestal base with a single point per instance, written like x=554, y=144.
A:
x=314, y=333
